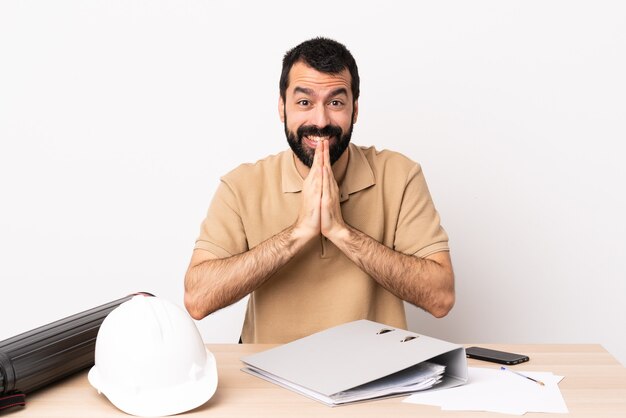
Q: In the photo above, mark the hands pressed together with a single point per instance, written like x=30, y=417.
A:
x=212, y=283
x=320, y=211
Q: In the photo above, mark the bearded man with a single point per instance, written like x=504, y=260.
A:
x=326, y=232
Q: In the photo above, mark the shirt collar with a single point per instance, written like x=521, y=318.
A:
x=359, y=174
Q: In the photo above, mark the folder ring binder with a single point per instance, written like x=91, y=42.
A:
x=358, y=361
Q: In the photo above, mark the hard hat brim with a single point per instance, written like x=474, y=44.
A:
x=166, y=399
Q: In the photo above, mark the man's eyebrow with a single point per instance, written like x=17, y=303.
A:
x=310, y=92
x=337, y=92
x=304, y=90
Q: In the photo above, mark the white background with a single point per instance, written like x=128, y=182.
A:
x=117, y=119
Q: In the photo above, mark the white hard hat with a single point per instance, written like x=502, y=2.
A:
x=151, y=361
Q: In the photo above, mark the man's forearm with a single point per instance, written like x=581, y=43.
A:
x=217, y=283
x=422, y=282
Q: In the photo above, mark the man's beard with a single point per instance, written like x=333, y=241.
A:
x=305, y=154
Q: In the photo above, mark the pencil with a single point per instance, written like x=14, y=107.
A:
x=523, y=375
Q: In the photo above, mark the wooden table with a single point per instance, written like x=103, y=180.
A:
x=594, y=386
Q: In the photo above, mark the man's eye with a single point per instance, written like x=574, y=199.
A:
x=335, y=103
x=303, y=102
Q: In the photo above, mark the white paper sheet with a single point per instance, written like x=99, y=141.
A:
x=501, y=391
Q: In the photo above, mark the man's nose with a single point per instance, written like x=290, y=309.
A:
x=320, y=117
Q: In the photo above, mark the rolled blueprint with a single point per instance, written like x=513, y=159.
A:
x=39, y=357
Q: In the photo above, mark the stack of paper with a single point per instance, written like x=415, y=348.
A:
x=501, y=391
x=419, y=377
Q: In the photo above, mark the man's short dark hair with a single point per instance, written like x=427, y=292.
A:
x=324, y=55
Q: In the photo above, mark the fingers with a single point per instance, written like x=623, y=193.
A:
x=331, y=217
x=308, y=222
x=329, y=183
x=326, y=152
x=330, y=189
x=318, y=157
x=320, y=210
x=313, y=183
x=328, y=174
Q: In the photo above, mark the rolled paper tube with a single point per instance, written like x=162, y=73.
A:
x=42, y=356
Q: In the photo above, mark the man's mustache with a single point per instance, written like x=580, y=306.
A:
x=312, y=130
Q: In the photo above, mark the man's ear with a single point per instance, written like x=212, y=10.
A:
x=355, y=113
x=281, y=109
